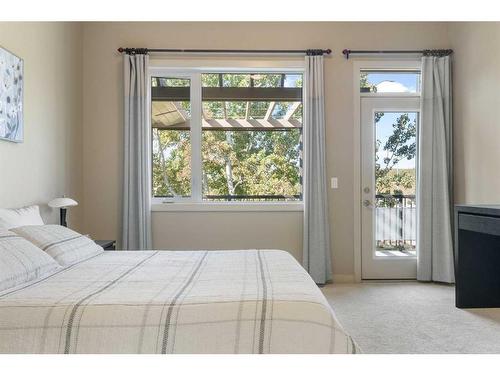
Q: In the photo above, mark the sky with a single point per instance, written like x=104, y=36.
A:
x=291, y=79
x=409, y=80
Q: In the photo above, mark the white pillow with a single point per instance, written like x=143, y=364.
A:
x=18, y=217
x=66, y=246
x=21, y=261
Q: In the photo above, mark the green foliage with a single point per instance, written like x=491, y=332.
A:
x=251, y=162
x=171, y=163
x=363, y=82
x=234, y=162
x=400, y=145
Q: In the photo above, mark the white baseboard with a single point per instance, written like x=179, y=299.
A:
x=343, y=278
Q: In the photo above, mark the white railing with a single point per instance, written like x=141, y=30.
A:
x=396, y=221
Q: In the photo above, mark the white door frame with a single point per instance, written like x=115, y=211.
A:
x=358, y=66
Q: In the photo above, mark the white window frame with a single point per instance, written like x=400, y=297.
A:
x=358, y=66
x=193, y=73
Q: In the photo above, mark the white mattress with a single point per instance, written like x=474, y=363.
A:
x=246, y=301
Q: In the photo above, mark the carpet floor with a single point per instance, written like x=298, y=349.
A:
x=412, y=317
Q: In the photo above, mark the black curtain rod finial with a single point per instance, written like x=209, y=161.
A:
x=318, y=52
x=437, y=52
x=133, y=51
x=346, y=53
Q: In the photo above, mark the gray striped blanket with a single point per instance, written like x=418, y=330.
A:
x=246, y=301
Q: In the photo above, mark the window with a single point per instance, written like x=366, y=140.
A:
x=171, y=131
x=389, y=81
x=244, y=131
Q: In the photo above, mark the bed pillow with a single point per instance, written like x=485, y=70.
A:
x=66, y=246
x=21, y=261
x=17, y=217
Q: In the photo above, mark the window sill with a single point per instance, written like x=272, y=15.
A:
x=229, y=207
x=391, y=94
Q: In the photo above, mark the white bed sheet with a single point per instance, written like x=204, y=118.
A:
x=244, y=301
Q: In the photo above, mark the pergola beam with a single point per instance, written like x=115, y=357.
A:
x=230, y=94
x=269, y=111
x=235, y=124
x=251, y=124
x=247, y=111
x=291, y=111
x=181, y=111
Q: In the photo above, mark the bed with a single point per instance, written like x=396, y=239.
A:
x=245, y=301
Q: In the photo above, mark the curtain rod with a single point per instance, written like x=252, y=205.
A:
x=425, y=52
x=133, y=51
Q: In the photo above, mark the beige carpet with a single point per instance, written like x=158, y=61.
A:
x=412, y=317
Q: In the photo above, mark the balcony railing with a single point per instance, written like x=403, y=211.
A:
x=241, y=198
x=396, y=222
x=252, y=198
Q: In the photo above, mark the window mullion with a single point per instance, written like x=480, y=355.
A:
x=196, y=129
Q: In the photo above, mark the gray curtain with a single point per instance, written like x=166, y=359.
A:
x=316, y=251
x=136, y=229
x=435, y=173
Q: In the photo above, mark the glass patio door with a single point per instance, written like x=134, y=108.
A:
x=388, y=187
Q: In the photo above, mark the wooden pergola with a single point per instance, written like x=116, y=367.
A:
x=167, y=112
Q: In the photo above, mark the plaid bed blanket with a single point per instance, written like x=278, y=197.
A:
x=245, y=301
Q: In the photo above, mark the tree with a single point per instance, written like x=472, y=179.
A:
x=400, y=145
x=171, y=162
x=363, y=82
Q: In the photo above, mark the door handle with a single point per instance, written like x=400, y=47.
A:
x=367, y=203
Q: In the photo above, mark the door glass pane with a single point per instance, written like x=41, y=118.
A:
x=171, y=131
x=389, y=81
x=395, y=183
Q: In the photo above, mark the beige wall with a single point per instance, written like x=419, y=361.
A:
x=476, y=74
x=228, y=231
x=102, y=134
x=48, y=163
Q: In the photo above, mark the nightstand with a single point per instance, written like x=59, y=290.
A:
x=106, y=244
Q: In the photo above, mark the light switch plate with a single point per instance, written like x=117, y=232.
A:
x=334, y=183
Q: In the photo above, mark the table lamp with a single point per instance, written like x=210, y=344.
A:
x=63, y=203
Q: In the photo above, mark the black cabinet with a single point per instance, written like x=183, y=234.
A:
x=477, y=256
